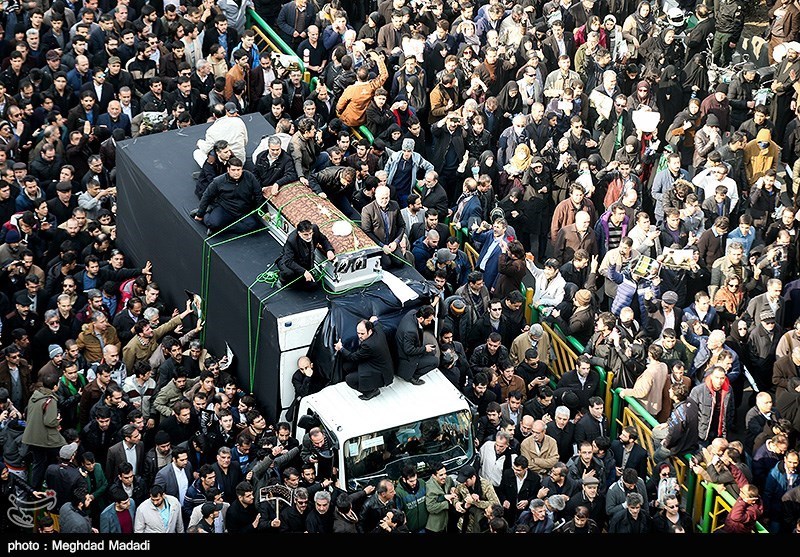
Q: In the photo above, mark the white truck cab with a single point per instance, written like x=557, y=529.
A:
x=405, y=424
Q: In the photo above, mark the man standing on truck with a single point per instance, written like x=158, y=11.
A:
x=369, y=367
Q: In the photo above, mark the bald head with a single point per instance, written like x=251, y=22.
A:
x=582, y=220
x=382, y=194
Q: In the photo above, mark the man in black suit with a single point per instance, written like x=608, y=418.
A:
x=372, y=360
x=297, y=260
x=274, y=166
x=414, y=357
x=431, y=222
x=381, y=220
x=627, y=454
x=518, y=488
x=552, y=48
x=103, y=91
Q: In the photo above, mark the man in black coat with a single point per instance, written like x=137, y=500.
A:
x=637, y=456
x=231, y=197
x=414, y=357
x=518, y=488
x=584, y=381
x=297, y=259
x=593, y=424
x=372, y=358
x=274, y=166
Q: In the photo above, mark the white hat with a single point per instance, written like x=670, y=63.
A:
x=779, y=52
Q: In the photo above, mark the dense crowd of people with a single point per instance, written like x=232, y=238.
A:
x=581, y=147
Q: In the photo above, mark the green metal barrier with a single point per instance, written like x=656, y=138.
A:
x=258, y=21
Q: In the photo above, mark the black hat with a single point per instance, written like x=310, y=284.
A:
x=64, y=186
x=208, y=508
x=466, y=473
x=23, y=300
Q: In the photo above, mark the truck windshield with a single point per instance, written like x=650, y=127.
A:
x=446, y=438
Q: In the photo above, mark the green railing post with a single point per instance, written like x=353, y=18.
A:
x=274, y=37
x=615, y=410
x=708, y=501
x=691, y=486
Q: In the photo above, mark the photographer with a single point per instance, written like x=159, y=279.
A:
x=317, y=448
x=778, y=260
x=93, y=199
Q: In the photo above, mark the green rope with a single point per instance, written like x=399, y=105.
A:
x=271, y=278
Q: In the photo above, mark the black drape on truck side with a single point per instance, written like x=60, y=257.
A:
x=347, y=310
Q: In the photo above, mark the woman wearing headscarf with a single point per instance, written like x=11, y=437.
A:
x=509, y=103
x=695, y=82
x=643, y=96
x=368, y=34
x=393, y=137
x=467, y=58
x=467, y=35
x=730, y=301
x=487, y=164
x=516, y=211
x=669, y=97
x=515, y=172
x=638, y=25
x=593, y=24
x=680, y=134
x=402, y=109
x=511, y=266
x=659, y=51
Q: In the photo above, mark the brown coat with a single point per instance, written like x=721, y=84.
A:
x=352, y=105
x=666, y=402
x=24, y=376
x=89, y=344
x=791, y=21
x=782, y=371
x=235, y=74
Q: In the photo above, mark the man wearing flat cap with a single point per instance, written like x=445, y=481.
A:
x=665, y=311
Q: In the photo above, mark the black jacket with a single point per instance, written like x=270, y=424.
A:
x=298, y=255
x=442, y=139
x=507, y=491
x=637, y=459
x=374, y=361
x=237, y=198
x=412, y=358
x=280, y=172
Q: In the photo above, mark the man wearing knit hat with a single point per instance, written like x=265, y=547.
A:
x=717, y=103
